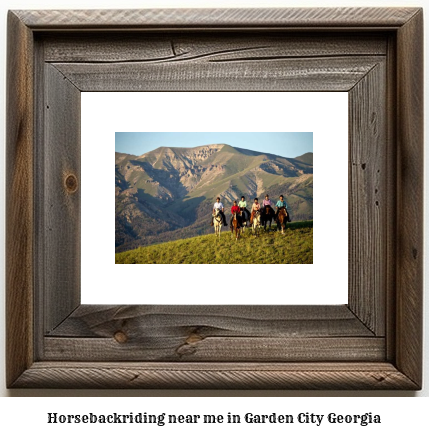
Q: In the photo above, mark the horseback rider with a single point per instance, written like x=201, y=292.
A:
x=281, y=203
x=255, y=207
x=267, y=202
x=235, y=209
x=243, y=207
x=218, y=206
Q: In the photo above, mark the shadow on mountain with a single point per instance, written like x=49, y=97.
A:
x=306, y=167
x=187, y=207
x=168, y=177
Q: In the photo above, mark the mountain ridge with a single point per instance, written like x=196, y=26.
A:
x=171, y=190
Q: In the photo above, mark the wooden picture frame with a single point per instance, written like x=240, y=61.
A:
x=373, y=342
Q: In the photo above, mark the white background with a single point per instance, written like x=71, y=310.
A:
x=324, y=114
x=403, y=414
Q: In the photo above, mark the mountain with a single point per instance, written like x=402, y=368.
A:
x=306, y=158
x=168, y=193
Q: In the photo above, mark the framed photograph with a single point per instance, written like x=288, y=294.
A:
x=78, y=81
x=167, y=185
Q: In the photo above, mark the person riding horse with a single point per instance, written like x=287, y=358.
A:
x=267, y=203
x=267, y=212
x=281, y=204
x=219, y=206
x=235, y=210
x=255, y=206
x=243, y=207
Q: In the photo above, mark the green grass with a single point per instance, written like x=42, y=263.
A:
x=294, y=246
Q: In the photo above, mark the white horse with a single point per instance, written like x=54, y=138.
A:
x=217, y=222
x=256, y=224
x=243, y=221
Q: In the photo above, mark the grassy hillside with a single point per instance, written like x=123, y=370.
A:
x=294, y=246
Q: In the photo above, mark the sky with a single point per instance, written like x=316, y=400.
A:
x=286, y=144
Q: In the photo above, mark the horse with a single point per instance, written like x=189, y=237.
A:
x=267, y=215
x=235, y=226
x=243, y=214
x=243, y=222
x=281, y=219
x=256, y=223
x=217, y=222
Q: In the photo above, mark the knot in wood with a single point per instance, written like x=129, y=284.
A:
x=71, y=183
x=120, y=337
x=193, y=337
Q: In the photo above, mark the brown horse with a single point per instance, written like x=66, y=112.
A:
x=235, y=226
x=281, y=219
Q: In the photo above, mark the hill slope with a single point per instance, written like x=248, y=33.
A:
x=294, y=246
x=168, y=193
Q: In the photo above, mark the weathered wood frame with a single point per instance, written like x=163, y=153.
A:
x=374, y=342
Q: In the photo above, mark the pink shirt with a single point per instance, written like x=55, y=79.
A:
x=266, y=203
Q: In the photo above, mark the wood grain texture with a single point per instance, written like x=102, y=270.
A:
x=215, y=376
x=39, y=201
x=99, y=321
x=61, y=188
x=391, y=191
x=19, y=200
x=330, y=74
x=213, y=333
x=409, y=264
x=367, y=199
x=197, y=18
x=194, y=348
x=233, y=47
